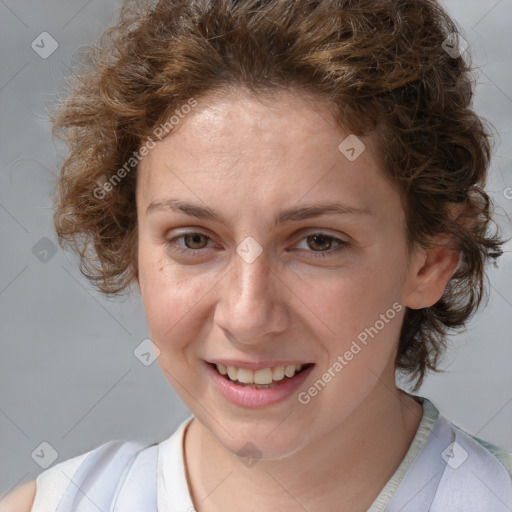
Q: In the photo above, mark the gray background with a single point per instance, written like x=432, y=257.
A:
x=68, y=373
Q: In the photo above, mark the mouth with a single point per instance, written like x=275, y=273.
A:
x=263, y=378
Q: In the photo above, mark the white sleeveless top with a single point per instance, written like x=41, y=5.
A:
x=445, y=469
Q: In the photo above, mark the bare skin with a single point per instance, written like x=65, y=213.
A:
x=248, y=159
x=20, y=499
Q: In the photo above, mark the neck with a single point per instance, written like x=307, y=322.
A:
x=343, y=470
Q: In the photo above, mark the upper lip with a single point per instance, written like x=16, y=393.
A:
x=256, y=366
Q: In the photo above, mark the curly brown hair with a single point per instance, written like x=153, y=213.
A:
x=382, y=66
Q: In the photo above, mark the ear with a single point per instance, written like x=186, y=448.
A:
x=430, y=272
x=431, y=269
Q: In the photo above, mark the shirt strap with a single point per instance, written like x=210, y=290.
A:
x=418, y=487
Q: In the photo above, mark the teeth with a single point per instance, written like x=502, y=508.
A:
x=262, y=376
x=289, y=371
x=278, y=373
x=245, y=376
x=232, y=372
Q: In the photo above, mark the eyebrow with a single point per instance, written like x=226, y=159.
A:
x=291, y=214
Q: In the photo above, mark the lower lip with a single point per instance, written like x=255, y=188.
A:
x=253, y=398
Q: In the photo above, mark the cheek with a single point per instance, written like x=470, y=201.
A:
x=361, y=309
x=162, y=293
x=171, y=298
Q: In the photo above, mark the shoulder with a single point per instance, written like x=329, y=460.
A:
x=502, y=455
x=61, y=483
x=20, y=499
x=480, y=448
x=469, y=474
x=477, y=474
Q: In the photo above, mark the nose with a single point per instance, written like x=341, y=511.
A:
x=251, y=307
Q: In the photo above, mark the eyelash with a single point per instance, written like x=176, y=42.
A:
x=171, y=243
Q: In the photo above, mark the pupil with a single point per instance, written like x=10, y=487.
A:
x=194, y=236
x=322, y=238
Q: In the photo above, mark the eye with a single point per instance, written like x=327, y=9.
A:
x=193, y=243
x=321, y=243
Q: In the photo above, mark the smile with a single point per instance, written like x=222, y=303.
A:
x=263, y=378
x=244, y=387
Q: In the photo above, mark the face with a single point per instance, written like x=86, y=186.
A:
x=248, y=269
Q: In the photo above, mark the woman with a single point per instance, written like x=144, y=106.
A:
x=296, y=189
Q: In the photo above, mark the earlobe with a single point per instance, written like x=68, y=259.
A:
x=431, y=278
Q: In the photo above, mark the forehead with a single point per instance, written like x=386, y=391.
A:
x=231, y=124
x=266, y=149
x=288, y=114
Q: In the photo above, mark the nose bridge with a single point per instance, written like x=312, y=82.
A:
x=250, y=281
x=247, y=306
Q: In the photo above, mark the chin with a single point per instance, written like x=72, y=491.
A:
x=253, y=444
